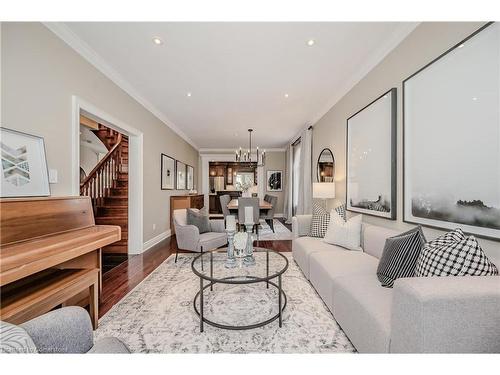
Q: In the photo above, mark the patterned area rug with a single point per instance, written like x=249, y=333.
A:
x=280, y=231
x=158, y=316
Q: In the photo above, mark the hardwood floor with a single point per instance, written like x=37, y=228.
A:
x=126, y=276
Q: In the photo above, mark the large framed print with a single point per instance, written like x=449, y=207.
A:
x=167, y=172
x=189, y=177
x=181, y=175
x=371, y=158
x=24, y=165
x=451, y=124
x=274, y=180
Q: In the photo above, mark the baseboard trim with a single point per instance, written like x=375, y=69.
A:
x=155, y=240
x=278, y=215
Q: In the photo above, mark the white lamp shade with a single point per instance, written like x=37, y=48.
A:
x=324, y=190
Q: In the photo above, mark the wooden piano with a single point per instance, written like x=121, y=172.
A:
x=50, y=255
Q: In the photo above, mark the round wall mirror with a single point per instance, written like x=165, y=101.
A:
x=326, y=166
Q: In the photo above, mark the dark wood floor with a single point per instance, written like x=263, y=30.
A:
x=117, y=282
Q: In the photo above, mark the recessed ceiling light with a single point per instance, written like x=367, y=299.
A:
x=474, y=98
x=188, y=94
x=286, y=95
x=311, y=42
x=157, y=41
x=461, y=45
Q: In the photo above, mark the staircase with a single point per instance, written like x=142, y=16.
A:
x=107, y=185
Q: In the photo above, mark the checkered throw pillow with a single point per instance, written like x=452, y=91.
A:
x=451, y=255
x=341, y=211
x=320, y=221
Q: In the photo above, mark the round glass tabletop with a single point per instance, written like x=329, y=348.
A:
x=211, y=266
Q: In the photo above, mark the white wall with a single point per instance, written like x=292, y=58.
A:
x=424, y=44
x=40, y=74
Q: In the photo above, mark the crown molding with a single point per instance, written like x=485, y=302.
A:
x=207, y=151
x=401, y=33
x=82, y=48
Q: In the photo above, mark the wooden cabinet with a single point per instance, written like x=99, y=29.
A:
x=184, y=201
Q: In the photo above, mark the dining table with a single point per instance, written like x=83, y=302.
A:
x=263, y=205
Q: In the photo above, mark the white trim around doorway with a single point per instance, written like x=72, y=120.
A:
x=135, y=191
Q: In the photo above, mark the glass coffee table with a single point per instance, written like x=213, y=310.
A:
x=210, y=268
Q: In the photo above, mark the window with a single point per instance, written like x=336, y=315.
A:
x=295, y=175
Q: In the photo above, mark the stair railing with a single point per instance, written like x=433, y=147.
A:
x=97, y=185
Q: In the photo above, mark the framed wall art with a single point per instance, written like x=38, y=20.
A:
x=451, y=125
x=180, y=167
x=167, y=172
x=24, y=165
x=371, y=158
x=274, y=180
x=189, y=177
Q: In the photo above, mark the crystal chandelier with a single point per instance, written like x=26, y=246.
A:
x=247, y=156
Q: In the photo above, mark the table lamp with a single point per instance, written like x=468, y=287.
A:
x=324, y=191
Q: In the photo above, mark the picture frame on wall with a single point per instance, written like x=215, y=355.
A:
x=167, y=172
x=275, y=180
x=371, y=155
x=451, y=143
x=189, y=177
x=24, y=165
x=180, y=168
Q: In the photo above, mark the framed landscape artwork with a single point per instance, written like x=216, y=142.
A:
x=451, y=128
x=274, y=180
x=181, y=175
x=371, y=158
x=189, y=177
x=24, y=165
x=167, y=172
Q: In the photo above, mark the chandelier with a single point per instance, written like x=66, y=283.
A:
x=247, y=156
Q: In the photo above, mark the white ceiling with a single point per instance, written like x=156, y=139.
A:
x=238, y=73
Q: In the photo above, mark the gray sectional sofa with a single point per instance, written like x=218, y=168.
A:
x=418, y=315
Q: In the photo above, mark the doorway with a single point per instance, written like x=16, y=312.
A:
x=104, y=178
x=135, y=166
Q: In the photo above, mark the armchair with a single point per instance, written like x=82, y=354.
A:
x=189, y=238
x=67, y=330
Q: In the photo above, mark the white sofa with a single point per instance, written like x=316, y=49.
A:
x=418, y=315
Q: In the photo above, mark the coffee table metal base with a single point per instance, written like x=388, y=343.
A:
x=281, y=297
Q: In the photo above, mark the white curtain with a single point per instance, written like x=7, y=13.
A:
x=305, y=179
x=287, y=212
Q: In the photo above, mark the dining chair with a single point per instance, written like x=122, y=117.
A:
x=224, y=201
x=249, y=202
x=268, y=215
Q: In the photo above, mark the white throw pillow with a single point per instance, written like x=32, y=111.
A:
x=344, y=233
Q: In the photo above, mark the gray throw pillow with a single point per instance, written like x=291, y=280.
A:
x=199, y=219
x=14, y=339
x=400, y=255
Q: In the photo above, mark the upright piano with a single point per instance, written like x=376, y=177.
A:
x=50, y=256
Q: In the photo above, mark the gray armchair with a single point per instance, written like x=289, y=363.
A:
x=268, y=215
x=66, y=330
x=189, y=237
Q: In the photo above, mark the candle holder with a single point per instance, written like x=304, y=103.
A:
x=249, y=259
x=231, y=260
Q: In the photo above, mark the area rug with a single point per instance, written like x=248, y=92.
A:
x=158, y=316
x=280, y=231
